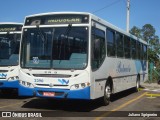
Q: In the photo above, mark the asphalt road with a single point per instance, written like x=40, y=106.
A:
x=125, y=105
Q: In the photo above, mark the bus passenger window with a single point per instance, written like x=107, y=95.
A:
x=145, y=52
x=141, y=57
x=133, y=48
x=98, y=45
x=111, y=44
x=120, y=46
x=138, y=50
x=127, y=47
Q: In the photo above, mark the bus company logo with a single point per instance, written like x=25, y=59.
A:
x=2, y=75
x=35, y=60
x=122, y=68
x=63, y=81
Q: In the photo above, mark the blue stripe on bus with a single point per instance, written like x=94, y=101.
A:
x=138, y=66
x=9, y=84
x=68, y=94
x=25, y=91
x=141, y=65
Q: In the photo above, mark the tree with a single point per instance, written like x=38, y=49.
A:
x=136, y=31
x=152, y=56
x=147, y=33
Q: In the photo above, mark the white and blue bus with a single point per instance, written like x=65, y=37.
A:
x=10, y=34
x=77, y=55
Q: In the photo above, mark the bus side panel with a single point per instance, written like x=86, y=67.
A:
x=142, y=69
x=123, y=72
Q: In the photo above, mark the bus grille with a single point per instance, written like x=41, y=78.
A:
x=52, y=75
x=3, y=71
x=48, y=85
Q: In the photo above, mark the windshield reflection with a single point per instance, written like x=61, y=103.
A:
x=9, y=49
x=53, y=48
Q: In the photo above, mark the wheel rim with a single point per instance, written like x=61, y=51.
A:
x=108, y=92
x=137, y=84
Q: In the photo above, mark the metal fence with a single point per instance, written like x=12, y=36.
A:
x=154, y=74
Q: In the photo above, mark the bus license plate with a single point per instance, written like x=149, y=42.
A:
x=48, y=93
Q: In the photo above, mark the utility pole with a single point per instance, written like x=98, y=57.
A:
x=128, y=15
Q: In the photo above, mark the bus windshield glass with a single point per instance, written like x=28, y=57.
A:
x=9, y=49
x=54, y=48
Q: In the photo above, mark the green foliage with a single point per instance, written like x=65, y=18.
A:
x=147, y=33
x=136, y=31
x=152, y=56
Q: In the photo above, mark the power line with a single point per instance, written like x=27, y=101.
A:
x=107, y=6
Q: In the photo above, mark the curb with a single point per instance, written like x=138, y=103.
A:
x=151, y=85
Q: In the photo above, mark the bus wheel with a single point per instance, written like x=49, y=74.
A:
x=137, y=83
x=107, y=94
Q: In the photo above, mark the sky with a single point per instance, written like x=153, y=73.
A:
x=114, y=11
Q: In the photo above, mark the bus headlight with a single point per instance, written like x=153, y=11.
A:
x=13, y=78
x=83, y=85
x=26, y=84
x=79, y=86
x=76, y=86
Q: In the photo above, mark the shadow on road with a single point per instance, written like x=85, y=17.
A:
x=65, y=105
x=122, y=94
x=71, y=105
x=10, y=94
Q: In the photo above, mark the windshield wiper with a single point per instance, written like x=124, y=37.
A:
x=65, y=34
x=40, y=33
x=68, y=30
x=42, y=37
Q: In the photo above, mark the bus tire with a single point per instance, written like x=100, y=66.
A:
x=137, y=83
x=107, y=94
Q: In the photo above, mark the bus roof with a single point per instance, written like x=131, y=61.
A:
x=96, y=18
x=10, y=23
x=53, y=13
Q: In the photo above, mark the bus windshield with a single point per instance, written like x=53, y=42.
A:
x=54, y=48
x=9, y=49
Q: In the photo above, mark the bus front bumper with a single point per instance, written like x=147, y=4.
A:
x=5, y=84
x=55, y=93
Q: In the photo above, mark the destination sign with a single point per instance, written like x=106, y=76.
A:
x=7, y=29
x=63, y=20
x=57, y=19
x=10, y=28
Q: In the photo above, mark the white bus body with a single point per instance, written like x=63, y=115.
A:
x=10, y=34
x=76, y=55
